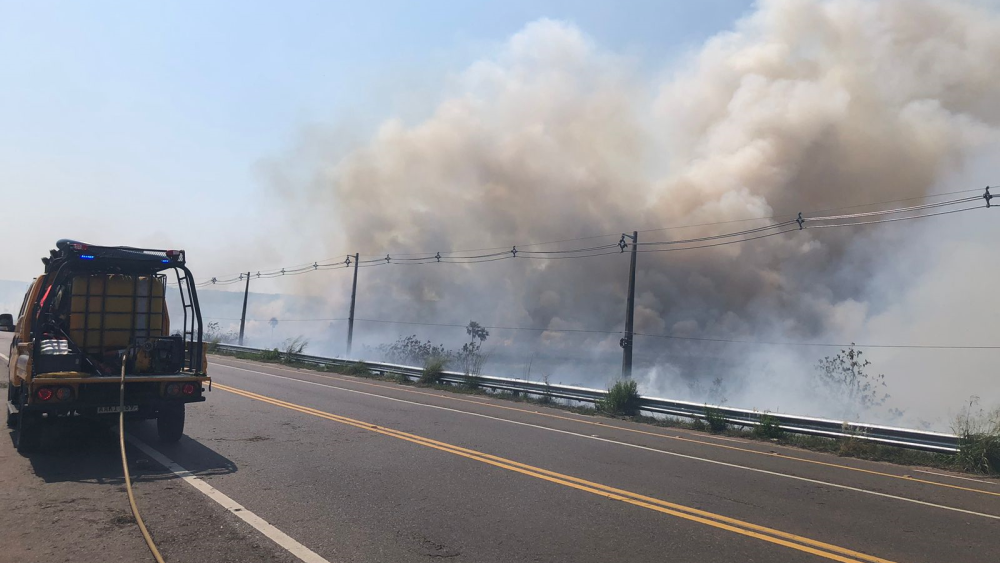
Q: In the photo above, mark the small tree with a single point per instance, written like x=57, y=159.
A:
x=846, y=377
x=472, y=357
x=273, y=322
x=477, y=332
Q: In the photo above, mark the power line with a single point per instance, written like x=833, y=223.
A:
x=650, y=335
x=602, y=250
x=673, y=227
x=819, y=344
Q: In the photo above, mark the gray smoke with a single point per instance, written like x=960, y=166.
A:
x=803, y=105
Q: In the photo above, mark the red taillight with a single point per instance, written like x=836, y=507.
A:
x=43, y=394
x=173, y=254
x=188, y=389
x=79, y=246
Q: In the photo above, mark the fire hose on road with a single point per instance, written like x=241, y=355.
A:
x=128, y=478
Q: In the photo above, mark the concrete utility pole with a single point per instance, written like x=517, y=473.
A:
x=243, y=319
x=626, y=341
x=350, y=319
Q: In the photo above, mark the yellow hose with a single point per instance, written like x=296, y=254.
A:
x=128, y=478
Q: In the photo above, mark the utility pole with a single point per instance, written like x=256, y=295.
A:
x=243, y=319
x=626, y=341
x=350, y=319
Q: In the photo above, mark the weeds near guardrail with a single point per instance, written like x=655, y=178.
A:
x=768, y=428
x=293, y=347
x=433, y=370
x=715, y=420
x=546, y=398
x=979, y=449
x=271, y=355
x=622, y=399
x=357, y=368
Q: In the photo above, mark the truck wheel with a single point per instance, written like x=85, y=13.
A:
x=28, y=434
x=170, y=422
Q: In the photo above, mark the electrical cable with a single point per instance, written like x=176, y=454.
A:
x=452, y=257
x=898, y=210
x=818, y=344
x=652, y=335
x=855, y=224
x=716, y=237
x=793, y=215
x=765, y=235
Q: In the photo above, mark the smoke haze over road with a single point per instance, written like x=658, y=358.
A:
x=803, y=105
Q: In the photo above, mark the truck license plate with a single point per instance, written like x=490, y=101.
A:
x=108, y=410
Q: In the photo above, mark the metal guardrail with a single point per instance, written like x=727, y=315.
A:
x=889, y=435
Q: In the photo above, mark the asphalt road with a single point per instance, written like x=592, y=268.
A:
x=349, y=469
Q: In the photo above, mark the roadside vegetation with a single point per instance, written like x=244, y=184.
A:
x=980, y=432
x=622, y=399
x=433, y=370
x=715, y=422
x=215, y=335
x=980, y=428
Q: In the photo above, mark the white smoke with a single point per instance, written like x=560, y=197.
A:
x=803, y=105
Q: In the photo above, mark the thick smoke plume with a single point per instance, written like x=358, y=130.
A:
x=804, y=105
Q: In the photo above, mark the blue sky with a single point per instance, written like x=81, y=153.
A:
x=144, y=123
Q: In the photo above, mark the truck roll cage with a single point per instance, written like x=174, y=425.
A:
x=87, y=271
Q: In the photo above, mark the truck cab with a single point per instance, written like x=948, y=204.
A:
x=95, y=313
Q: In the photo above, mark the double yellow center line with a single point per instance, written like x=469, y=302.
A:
x=404, y=389
x=814, y=547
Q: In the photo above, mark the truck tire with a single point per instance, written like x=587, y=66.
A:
x=28, y=434
x=170, y=422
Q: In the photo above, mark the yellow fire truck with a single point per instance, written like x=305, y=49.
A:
x=94, y=310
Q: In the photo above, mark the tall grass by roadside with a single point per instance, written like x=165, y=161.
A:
x=979, y=429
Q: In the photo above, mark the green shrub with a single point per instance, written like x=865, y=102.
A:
x=271, y=355
x=359, y=369
x=622, y=399
x=715, y=420
x=433, y=370
x=472, y=381
x=768, y=428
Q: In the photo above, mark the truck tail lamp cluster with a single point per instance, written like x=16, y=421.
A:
x=178, y=389
x=54, y=394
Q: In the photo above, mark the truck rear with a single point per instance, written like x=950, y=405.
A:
x=93, y=310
